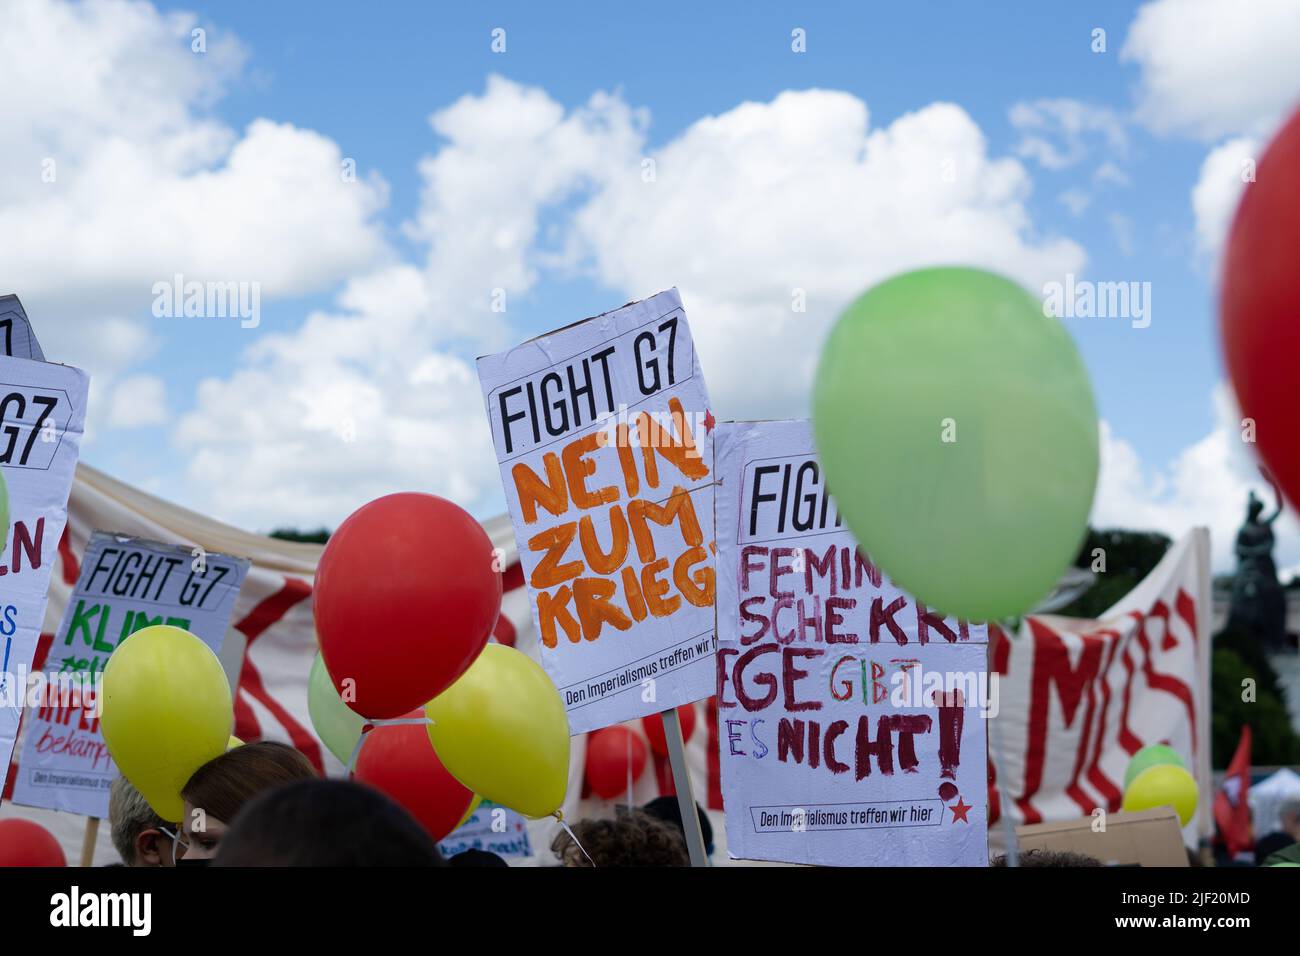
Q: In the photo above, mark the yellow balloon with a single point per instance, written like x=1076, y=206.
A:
x=234, y=742
x=1164, y=785
x=473, y=805
x=501, y=731
x=166, y=712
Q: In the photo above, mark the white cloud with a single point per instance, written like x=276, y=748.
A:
x=1206, y=484
x=1055, y=132
x=742, y=208
x=1217, y=190
x=511, y=153
x=801, y=193
x=1110, y=174
x=115, y=176
x=1210, y=68
x=137, y=401
x=1075, y=200
x=351, y=406
x=371, y=397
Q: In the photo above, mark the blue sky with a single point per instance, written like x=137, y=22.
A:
x=1116, y=200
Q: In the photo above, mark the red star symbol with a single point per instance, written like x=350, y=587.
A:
x=709, y=420
x=959, y=810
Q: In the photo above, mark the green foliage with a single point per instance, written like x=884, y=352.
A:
x=1273, y=741
x=1129, y=555
x=319, y=536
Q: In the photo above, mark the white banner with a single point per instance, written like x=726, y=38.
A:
x=850, y=722
x=1079, y=698
x=42, y=417
x=601, y=432
x=125, y=584
x=492, y=829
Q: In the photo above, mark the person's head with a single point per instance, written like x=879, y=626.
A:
x=218, y=790
x=140, y=836
x=631, y=839
x=325, y=823
x=669, y=810
x=477, y=859
x=1048, y=858
x=1289, y=814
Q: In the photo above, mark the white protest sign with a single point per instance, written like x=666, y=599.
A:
x=850, y=725
x=125, y=584
x=16, y=335
x=493, y=829
x=42, y=417
x=601, y=432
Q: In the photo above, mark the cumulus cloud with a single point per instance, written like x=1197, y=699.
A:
x=138, y=400
x=1055, y=132
x=351, y=406
x=1206, y=484
x=510, y=153
x=376, y=396
x=800, y=203
x=1210, y=69
x=744, y=211
x=115, y=176
x=1224, y=174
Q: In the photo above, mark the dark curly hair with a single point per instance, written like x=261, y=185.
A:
x=631, y=839
x=1048, y=858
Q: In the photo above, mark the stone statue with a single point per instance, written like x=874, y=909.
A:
x=1258, y=605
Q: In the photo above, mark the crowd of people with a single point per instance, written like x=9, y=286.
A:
x=263, y=804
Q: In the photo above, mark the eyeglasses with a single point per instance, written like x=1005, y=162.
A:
x=179, y=846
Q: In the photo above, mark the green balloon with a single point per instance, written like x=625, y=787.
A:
x=1150, y=756
x=337, y=725
x=957, y=428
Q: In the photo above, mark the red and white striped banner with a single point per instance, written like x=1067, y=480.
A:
x=1078, y=698
x=272, y=641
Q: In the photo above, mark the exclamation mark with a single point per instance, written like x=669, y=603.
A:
x=952, y=713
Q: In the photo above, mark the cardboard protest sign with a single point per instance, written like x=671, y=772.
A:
x=16, y=335
x=42, y=417
x=850, y=730
x=491, y=828
x=601, y=432
x=1146, y=838
x=126, y=584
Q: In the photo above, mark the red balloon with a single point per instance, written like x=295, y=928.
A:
x=654, y=728
x=24, y=843
x=1260, y=313
x=407, y=593
x=607, y=756
x=400, y=761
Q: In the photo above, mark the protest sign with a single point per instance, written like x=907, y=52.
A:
x=16, y=335
x=125, y=584
x=493, y=829
x=601, y=433
x=850, y=728
x=42, y=417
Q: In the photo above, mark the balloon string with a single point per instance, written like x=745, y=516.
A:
x=370, y=725
x=559, y=815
